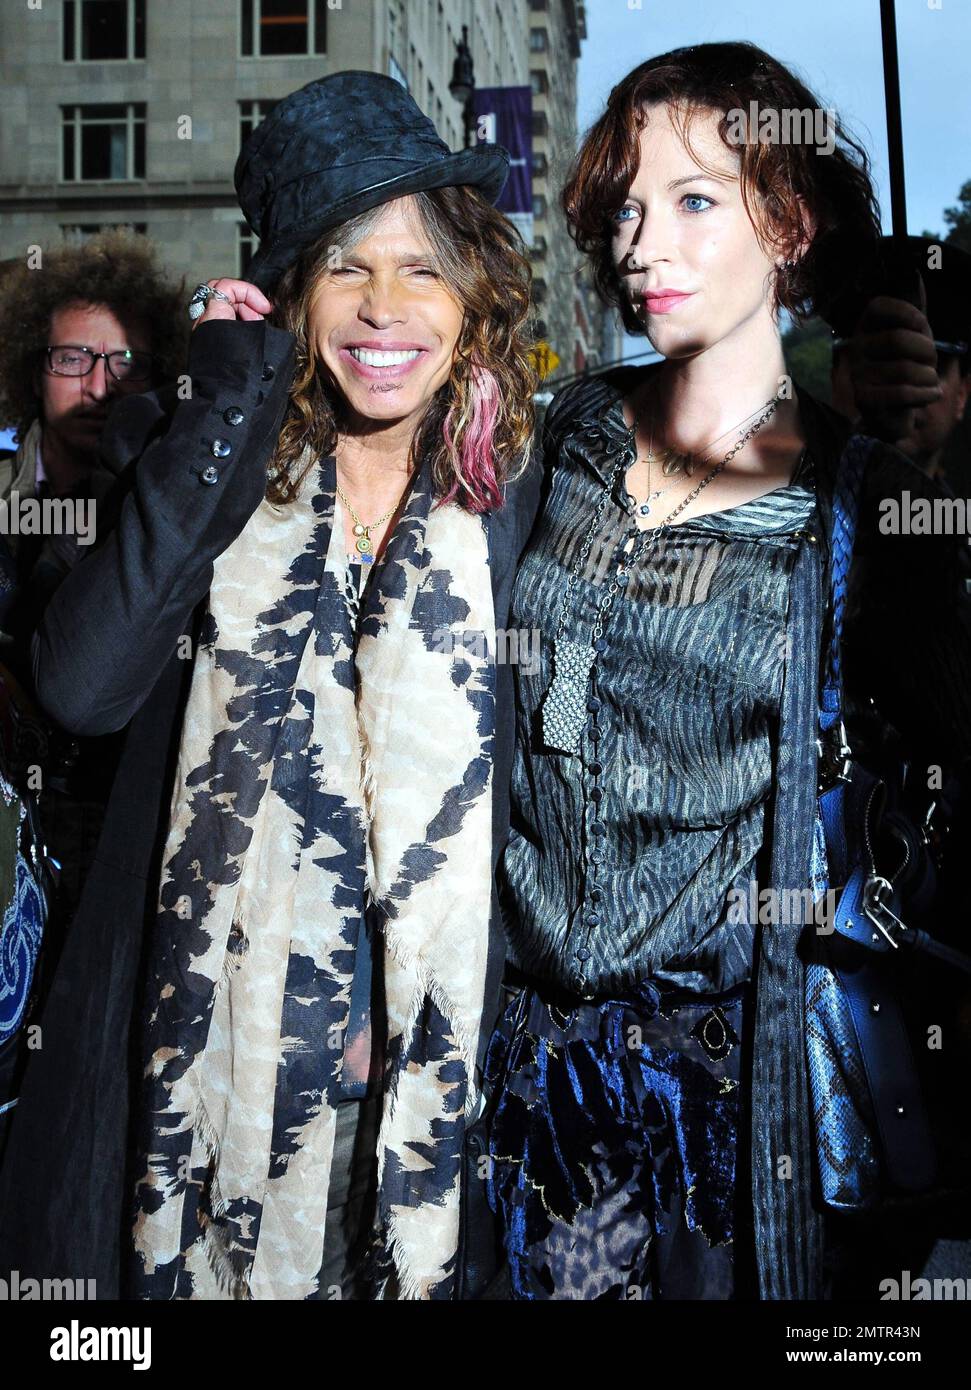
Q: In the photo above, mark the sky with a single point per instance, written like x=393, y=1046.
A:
x=834, y=47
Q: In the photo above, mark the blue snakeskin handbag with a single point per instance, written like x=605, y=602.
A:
x=875, y=1112
x=27, y=876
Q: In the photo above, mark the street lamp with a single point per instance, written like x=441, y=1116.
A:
x=462, y=84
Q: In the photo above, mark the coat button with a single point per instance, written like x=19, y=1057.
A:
x=209, y=475
x=221, y=448
x=233, y=416
x=268, y=371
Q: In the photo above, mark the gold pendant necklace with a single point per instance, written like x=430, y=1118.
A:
x=362, y=530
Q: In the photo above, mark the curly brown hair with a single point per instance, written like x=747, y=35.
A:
x=721, y=78
x=478, y=253
x=116, y=268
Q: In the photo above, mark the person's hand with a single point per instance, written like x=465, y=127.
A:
x=893, y=366
x=248, y=303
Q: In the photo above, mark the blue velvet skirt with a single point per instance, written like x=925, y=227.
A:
x=612, y=1141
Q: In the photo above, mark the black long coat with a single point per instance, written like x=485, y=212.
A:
x=109, y=652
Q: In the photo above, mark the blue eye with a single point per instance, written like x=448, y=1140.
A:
x=698, y=197
x=619, y=215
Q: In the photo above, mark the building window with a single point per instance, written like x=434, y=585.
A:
x=539, y=205
x=80, y=231
x=538, y=247
x=105, y=143
x=539, y=4
x=540, y=165
x=396, y=71
x=250, y=115
x=282, y=28
x=540, y=83
x=539, y=41
x=100, y=31
x=247, y=245
x=539, y=291
x=540, y=124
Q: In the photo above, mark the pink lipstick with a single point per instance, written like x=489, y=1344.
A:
x=663, y=301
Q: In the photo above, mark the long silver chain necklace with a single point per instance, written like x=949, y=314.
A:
x=567, y=702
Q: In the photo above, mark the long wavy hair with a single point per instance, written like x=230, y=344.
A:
x=836, y=187
x=478, y=426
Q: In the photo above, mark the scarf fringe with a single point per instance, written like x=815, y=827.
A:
x=409, y=1285
x=368, y=784
x=231, y=1280
x=428, y=985
x=231, y=1275
x=205, y=1129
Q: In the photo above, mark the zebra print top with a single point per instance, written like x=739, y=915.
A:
x=691, y=682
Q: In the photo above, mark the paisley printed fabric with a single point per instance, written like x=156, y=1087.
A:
x=613, y=1143
x=316, y=775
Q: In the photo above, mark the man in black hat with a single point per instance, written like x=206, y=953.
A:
x=902, y=371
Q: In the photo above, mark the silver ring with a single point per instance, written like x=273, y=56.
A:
x=201, y=297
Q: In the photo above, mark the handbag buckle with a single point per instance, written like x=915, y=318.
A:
x=834, y=757
x=877, y=892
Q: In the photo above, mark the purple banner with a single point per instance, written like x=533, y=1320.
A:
x=504, y=116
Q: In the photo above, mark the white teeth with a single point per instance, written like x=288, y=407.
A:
x=382, y=359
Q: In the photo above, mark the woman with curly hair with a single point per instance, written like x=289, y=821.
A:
x=298, y=608
x=651, y=1129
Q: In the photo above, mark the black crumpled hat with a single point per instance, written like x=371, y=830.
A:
x=337, y=147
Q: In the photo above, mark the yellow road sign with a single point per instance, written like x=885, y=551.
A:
x=545, y=360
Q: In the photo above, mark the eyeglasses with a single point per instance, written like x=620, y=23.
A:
x=69, y=360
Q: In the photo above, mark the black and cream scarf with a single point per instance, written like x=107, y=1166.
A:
x=314, y=772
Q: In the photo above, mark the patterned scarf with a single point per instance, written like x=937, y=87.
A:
x=308, y=773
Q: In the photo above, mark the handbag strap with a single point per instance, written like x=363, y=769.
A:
x=846, y=508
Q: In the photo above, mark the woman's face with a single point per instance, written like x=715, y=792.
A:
x=682, y=230
x=383, y=322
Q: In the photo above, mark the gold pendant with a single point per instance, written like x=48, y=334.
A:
x=363, y=545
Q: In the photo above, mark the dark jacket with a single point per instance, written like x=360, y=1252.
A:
x=107, y=656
